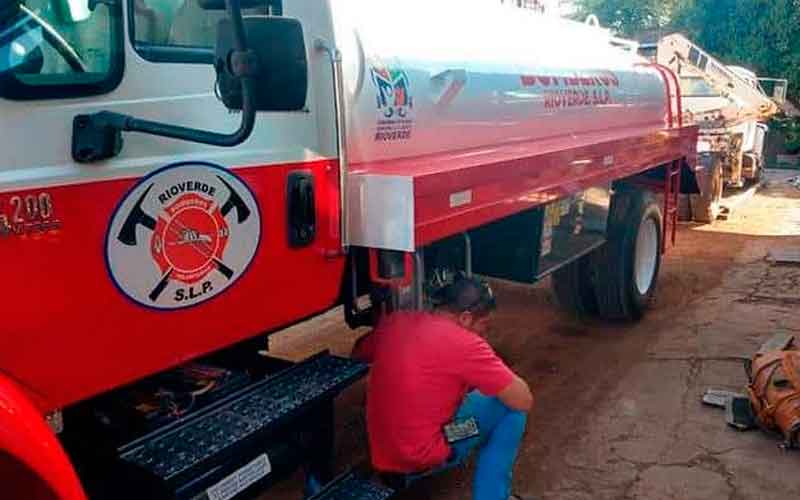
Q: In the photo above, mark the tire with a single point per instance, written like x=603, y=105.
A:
x=758, y=178
x=706, y=206
x=626, y=268
x=573, y=286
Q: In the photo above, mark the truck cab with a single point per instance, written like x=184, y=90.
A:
x=151, y=252
x=62, y=219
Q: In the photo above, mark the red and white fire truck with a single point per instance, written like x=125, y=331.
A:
x=181, y=178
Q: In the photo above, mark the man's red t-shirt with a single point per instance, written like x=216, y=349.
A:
x=422, y=367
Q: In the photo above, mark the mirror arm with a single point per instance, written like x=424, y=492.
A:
x=110, y=121
x=97, y=136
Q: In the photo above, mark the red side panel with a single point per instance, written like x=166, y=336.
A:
x=460, y=191
x=69, y=333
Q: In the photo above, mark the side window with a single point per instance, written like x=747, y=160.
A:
x=59, y=48
x=181, y=30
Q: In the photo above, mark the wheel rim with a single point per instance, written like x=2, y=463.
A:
x=646, y=255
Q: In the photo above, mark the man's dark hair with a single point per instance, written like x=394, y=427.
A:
x=468, y=295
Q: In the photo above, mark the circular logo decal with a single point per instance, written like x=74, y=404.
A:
x=182, y=236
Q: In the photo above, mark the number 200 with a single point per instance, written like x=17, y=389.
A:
x=32, y=207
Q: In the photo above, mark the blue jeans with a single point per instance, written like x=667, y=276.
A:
x=501, y=433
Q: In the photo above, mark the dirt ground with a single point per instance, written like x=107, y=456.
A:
x=618, y=412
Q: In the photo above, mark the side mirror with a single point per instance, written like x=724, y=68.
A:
x=277, y=60
x=73, y=11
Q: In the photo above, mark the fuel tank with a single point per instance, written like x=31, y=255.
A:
x=423, y=78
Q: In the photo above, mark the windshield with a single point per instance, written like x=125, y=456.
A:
x=697, y=87
x=58, y=48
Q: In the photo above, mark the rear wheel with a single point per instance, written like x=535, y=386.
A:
x=573, y=286
x=707, y=206
x=759, y=176
x=626, y=268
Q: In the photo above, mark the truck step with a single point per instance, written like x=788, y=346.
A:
x=192, y=446
x=350, y=487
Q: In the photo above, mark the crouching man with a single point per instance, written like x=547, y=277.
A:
x=433, y=378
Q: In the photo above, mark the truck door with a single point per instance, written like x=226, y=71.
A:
x=117, y=269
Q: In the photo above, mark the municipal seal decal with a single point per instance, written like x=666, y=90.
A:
x=182, y=236
x=395, y=103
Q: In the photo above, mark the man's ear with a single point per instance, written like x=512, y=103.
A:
x=466, y=319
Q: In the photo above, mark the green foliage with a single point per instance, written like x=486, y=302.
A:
x=630, y=17
x=763, y=35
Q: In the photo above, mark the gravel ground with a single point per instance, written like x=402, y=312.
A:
x=618, y=411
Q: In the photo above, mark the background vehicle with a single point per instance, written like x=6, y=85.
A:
x=732, y=110
x=146, y=261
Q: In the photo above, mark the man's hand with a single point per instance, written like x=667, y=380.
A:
x=517, y=396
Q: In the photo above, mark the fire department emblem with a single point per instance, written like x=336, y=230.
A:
x=395, y=103
x=183, y=235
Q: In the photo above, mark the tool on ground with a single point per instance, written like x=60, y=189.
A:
x=772, y=401
x=719, y=397
x=739, y=413
x=774, y=390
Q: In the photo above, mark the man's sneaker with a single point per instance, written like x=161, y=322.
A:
x=522, y=497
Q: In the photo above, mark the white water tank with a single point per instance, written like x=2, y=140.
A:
x=427, y=77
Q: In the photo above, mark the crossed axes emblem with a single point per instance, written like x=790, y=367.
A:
x=138, y=217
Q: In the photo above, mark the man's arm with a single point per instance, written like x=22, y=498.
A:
x=485, y=371
x=517, y=395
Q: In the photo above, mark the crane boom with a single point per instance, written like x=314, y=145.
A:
x=680, y=54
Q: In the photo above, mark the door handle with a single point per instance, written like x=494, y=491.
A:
x=301, y=209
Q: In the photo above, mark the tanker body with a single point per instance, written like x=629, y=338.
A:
x=494, y=79
x=377, y=147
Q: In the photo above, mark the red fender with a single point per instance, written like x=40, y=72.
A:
x=35, y=463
